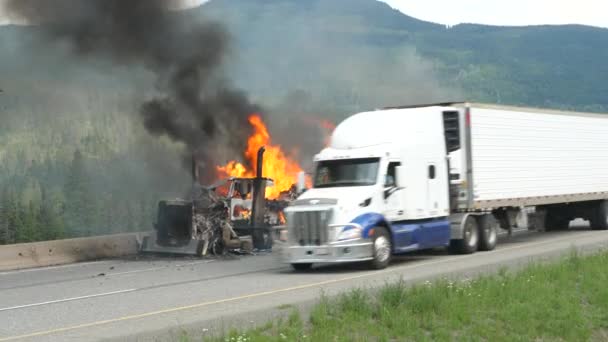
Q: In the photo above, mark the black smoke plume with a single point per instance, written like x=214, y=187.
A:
x=195, y=105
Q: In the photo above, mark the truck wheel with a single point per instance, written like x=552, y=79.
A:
x=382, y=249
x=488, y=236
x=470, y=240
x=301, y=267
x=601, y=217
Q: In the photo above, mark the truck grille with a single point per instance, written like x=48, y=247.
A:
x=310, y=228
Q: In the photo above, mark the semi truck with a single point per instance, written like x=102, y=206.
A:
x=449, y=175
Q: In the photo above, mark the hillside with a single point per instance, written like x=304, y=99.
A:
x=556, y=66
x=70, y=133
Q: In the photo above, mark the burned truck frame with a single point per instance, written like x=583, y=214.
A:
x=211, y=222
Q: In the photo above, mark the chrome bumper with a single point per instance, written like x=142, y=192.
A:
x=347, y=251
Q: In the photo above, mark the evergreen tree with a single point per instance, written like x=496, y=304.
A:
x=5, y=237
x=131, y=216
x=107, y=215
x=18, y=222
x=50, y=223
x=80, y=206
x=12, y=216
x=145, y=220
x=29, y=231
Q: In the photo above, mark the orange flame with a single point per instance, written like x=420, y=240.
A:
x=278, y=166
x=242, y=212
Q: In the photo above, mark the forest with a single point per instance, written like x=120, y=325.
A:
x=75, y=159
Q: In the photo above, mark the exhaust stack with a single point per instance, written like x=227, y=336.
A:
x=259, y=192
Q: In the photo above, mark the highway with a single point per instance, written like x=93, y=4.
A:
x=155, y=298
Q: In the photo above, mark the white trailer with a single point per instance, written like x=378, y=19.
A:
x=409, y=178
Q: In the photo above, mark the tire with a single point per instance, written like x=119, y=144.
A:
x=488, y=235
x=470, y=241
x=600, y=221
x=301, y=267
x=382, y=249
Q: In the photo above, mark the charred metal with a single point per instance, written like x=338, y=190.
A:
x=230, y=215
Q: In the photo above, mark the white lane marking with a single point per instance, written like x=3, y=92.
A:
x=66, y=300
x=56, y=267
x=266, y=293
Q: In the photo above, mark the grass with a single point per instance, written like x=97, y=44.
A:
x=562, y=301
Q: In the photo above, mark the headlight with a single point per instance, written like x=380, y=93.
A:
x=350, y=233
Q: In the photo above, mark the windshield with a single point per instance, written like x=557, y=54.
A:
x=346, y=172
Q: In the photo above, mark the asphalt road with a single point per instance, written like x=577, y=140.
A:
x=155, y=298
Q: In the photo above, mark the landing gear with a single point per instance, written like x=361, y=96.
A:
x=600, y=217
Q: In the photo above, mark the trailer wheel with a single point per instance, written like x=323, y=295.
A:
x=601, y=217
x=488, y=236
x=470, y=239
x=382, y=249
x=301, y=267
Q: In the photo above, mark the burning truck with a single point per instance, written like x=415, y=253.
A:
x=241, y=212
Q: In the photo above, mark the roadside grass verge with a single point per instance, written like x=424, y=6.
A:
x=562, y=301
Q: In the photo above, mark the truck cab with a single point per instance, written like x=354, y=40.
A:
x=380, y=188
x=449, y=174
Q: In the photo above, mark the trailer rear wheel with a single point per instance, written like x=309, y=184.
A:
x=382, y=249
x=600, y=222
x=488, y=236
x=470, y=237
x=301, y=267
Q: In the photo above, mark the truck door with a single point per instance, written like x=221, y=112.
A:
x=393, y=196
x=432, y=191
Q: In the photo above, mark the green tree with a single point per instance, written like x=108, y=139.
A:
x=81, y=211
x=145, y=219
x=5, y=236
x=50, y=223
x=29, y=229
x=13, y=217
x=131, y=216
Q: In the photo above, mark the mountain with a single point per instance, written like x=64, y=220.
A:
x=554, y=66
x=70, y=125
x=341, y=56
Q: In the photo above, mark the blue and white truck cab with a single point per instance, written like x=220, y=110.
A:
x=380, y=188
x=409, y=178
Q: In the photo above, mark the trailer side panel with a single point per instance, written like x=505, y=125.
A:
x=525, y=157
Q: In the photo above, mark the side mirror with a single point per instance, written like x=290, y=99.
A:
x=301, y=185
x=400, y=177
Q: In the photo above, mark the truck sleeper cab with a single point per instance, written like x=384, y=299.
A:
x=404, y=179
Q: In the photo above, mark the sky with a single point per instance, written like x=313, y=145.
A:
x=506, y=12
x=490, y=12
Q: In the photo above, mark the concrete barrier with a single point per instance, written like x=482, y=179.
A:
x=48, y=253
